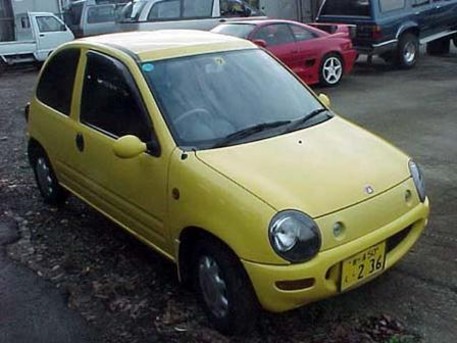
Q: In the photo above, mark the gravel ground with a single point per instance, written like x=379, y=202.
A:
x=127, y=292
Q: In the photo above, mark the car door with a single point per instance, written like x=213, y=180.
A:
x=310, y=49
x=51, y=32
x=130, y=191
x=280, y=42
x=423, y=15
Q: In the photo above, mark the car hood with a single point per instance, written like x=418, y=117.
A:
x=318, y=170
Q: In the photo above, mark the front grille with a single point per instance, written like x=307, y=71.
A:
x=393, y=241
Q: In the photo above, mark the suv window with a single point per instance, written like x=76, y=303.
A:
x=110, y=100
x=167, y=9
x=100, y=14
x=347, y=7
x=55, y=87
x=197, y=8
x=390, y=5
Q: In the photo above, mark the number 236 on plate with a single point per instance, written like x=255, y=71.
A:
x=361, y=266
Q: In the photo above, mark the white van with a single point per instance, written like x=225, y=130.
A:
x=37, y=34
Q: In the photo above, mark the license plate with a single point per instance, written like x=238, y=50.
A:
x=363, y=265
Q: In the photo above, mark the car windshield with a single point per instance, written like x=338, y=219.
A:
x=237, y=30
x=207, y=100
x=346, y=7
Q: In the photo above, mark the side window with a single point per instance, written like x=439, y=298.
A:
x=197, y=8
x=275, y=34
x=232, y=8
x=416, y=3
x=390, y=5
x=110, y=101
x=167, y=9
x=55, y=87
x=49, y=24
x=100, y=14
x=301, y=34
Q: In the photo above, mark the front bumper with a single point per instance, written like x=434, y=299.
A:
x=321, y=276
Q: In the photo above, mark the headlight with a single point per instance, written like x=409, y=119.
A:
x=294, y=236
x=418, y=179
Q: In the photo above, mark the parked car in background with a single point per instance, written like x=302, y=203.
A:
x=37, y=34
x=210, y=151
x=90, y=18
x=393, y=29
x=313, y=54
x=183, y=14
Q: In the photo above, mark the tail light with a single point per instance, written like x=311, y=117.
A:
x=376, y=32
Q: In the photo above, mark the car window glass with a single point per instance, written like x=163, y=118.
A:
x=204, y=98
x=390, y=5
x=420, y=2
x=275, y=34
x=49, y=24
x=55, y=87
x=108, y=101
x=167, y=9
x=232, y=8
x=347, y=7
x=197, y=8
x=237, y=30
x=302, y=34
x=101, y=14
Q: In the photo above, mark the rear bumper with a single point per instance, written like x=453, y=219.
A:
x=349, y=58
x=321, y=276
x=378, y=48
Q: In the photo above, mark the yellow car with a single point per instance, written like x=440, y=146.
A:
x=213, y=153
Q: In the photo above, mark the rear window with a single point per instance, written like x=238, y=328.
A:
x=359, y=8
x=101, y=14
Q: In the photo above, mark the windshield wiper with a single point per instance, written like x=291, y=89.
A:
x=249, y=131
x=299, y=122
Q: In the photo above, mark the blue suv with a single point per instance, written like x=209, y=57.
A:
x=393, y=29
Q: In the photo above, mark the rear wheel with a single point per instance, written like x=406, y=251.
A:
x=331, y=71
x=224, y=288
x=408, y=51
x=51, y=191
x=439, y=47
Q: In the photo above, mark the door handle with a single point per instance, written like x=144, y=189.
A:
x=80, y=142
x=222, y=21
x=41, y=34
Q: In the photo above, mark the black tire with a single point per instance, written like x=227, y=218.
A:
x=48, y=185
x=224, y=288
x=3, y=66
x=331, y=70
x=407, y=51
x=439, y=47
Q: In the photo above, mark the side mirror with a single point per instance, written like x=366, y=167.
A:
x=129, y=147
x=324, y=99
x=260, y=42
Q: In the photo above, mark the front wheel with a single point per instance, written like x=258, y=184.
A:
x=408, y=51
x=331, y=71
x=52, y=192
x=224, y=288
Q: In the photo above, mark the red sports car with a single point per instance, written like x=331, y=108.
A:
x=316, y=56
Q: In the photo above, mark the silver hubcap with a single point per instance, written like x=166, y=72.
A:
x=44, y=176
x=332, y=70
x=410, y=52
x=213, y=286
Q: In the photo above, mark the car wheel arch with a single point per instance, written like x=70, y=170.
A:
x=33, y=148
x=188, y=239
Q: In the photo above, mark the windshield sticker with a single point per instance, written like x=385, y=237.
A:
x=148, y=67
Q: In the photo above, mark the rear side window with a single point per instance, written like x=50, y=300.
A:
x=391, y=5
x=347, y=7
x=55, y=87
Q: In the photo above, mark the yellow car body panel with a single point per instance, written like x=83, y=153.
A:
x=233, y=192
